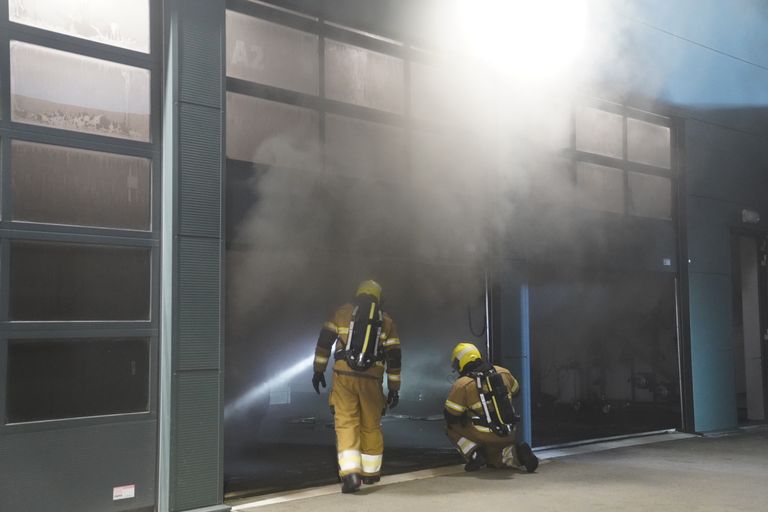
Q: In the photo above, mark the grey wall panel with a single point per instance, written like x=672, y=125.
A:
x=710, y=303
x=52, y=468
x=709, y=247
x=726, y=164
x=725, y=173
x=196, y=459
x=201, y=39
x=200, y=174
x=199, y=299
x=191, y=436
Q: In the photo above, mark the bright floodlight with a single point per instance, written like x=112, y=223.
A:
x=527, y=39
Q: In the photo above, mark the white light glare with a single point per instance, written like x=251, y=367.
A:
x=262, y=389
x=522, y=38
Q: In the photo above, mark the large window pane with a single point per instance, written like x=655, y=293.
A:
x=71, y=378
x=123, y=23
x=61, y=185
x=271, y=54
x=599, y=132
x=604, y=362
x=648, y=143
x=63, y=90
x=363, y=77
x=363, y=148
x=600, y=188
x=650, y=196
x=56, y=281
x=271, y=133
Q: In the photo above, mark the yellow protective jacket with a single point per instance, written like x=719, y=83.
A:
x=465, y=399
x=336, y=329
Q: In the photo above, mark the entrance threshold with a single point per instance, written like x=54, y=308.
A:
x=609, y=443
x=544, y=453
x=325, y=490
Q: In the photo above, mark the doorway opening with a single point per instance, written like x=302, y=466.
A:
x=749, y=255
x=604, y=354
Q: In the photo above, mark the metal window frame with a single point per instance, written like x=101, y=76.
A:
x=624, y=164
x=677, y=176
x=682, y=302
x=19, y=230
x=315, y=24
x=83, y=421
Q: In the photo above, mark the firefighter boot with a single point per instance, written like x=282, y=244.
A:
x=350, y=483
x=527, y=458
x=475, y=462
x=368, y=480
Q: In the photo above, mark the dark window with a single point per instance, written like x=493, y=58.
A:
x=55, y=379
x=56, y=281
x=84, y=188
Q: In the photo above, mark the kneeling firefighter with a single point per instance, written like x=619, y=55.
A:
x=366, y=344
x=480, y=418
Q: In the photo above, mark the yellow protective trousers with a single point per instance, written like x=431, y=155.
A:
x=499, y=451
x=358, y=402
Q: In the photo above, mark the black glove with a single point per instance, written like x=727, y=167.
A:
x=317, y=379
x=393, y=397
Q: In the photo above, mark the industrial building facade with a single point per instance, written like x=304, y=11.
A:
x=189, y=187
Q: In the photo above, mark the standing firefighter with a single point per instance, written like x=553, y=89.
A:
x=366, y=343
x=480, y=419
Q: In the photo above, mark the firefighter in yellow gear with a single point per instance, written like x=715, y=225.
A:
x=479, y=415
x=367, y=347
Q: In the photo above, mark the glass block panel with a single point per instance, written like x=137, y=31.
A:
x=363, y=77
x=123, y=23
x=600, y=188
x=271, y=133
x=648, y=143
x=600, y=132
x=56, y=281
x=63, y=90
x=363, y=148
x=59, y=185
x=272, y=54
x=75, y=378
x=650, y=196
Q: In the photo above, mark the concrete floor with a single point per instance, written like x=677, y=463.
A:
x=697, y=474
